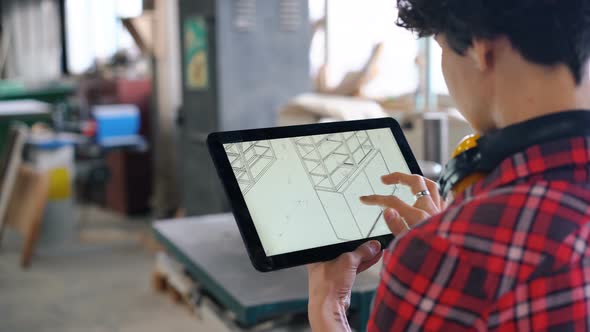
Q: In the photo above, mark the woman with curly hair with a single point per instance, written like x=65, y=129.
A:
x=512, y=251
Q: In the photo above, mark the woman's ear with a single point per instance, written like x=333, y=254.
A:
x=482, y=53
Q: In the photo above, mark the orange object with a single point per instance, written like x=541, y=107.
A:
x=469, y=180
x=466, y=144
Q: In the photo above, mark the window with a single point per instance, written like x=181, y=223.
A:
x=438, y=82
x=94, y=30
x=317, y=11
x=354, y=27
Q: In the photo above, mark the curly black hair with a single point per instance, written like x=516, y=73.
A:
x=546, y=32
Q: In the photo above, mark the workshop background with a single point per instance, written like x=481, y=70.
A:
x=111, y=214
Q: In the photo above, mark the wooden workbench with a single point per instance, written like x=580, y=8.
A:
x=212, y=252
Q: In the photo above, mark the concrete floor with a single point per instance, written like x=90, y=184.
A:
x=100, y=283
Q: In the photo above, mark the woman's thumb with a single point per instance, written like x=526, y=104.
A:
x=368, y=250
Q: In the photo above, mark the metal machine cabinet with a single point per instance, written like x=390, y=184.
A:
x=241, y=60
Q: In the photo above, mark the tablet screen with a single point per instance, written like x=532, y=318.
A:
x=303, y=192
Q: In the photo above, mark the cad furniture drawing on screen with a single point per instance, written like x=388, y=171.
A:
x=342, y=167
x=249, y=161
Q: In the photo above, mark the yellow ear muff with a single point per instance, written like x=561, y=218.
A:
x=468, y=143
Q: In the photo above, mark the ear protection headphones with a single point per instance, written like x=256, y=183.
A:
x=476, y=157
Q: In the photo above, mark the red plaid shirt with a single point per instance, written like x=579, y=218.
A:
x=511, y=253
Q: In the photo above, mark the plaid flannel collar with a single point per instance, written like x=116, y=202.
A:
x=555, y=150
x=535, y=160
x=563, y=142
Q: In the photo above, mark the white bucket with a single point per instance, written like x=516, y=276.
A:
x=59, y=220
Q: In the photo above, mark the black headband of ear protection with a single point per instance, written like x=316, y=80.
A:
x=496, y=146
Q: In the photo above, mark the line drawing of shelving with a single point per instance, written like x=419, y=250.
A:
x=341, y=167
x=250, y=161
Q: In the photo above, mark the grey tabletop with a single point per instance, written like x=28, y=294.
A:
x=212, y=250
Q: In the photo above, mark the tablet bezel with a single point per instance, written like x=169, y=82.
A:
x=240, y=210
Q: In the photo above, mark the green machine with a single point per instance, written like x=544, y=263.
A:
x=212, y=253
x=31, y=104
x=25, y=111
x=50, y=93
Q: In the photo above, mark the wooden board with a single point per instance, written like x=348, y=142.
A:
x=26, y=207
x=9, y=168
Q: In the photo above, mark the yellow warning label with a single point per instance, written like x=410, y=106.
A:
x=60, y=186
